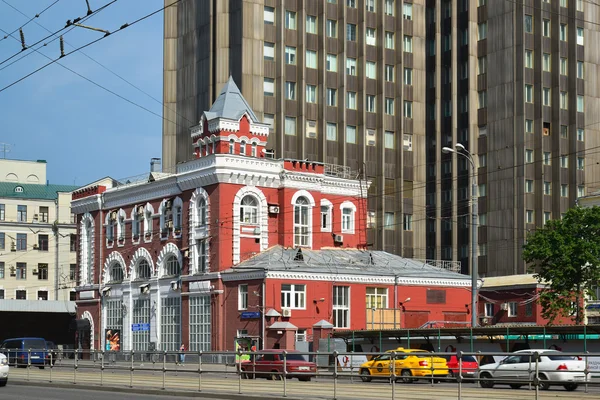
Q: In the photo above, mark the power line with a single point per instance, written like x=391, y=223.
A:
x=104, y=67
x=123, y=27
x=30, y=19
x=69, y=24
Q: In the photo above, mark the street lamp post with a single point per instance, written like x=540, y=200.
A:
x=462, y=151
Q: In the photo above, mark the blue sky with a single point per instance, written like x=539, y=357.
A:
x=82, y=131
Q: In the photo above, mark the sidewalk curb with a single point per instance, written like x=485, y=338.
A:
x=156, y=392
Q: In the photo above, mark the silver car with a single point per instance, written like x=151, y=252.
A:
x=3, y=370
x=554, y=368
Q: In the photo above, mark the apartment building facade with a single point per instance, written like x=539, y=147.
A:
x=381, y=86
x=37, y=234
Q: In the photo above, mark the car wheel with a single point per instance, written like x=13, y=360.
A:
x=486, y=381
x=543, y=385
x=305, y=379
x=365, y=375
x=515, y=386
x=570, y=386
x=243, y=374
x=41, y=367
x=3, y=382
x=274, y=376
x=406, y=376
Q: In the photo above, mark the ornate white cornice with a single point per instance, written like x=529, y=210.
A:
x=124, y=196
x=86, y=204
x=369, y=279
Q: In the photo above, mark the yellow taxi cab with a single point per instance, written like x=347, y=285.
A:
x=409, y=363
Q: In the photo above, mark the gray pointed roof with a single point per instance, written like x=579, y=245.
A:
x=230, y=104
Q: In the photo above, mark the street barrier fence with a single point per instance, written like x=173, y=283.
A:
x=532, y=369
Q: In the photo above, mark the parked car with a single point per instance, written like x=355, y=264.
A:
x=469, y=366
x=269, y=364
x=419, y=364
x=554, y=368
x=3, y=370
x=25, y=351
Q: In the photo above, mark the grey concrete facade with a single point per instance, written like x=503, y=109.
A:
x=462, y=86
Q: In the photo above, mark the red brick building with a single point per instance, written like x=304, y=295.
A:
x=237, y=243
x=513, y=300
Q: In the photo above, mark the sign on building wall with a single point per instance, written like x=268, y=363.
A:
x=113, y=339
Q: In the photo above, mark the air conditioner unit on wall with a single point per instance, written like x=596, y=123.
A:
x=338, y=238
x=504, y=306
x=311, y=129
x=273, y=209
x=286, y=312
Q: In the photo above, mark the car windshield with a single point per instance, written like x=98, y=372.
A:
x=468, y=359
x=35, y=344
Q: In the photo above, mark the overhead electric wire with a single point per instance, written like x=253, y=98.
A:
x=103, y=66
x=30, y=19
x=53, y=34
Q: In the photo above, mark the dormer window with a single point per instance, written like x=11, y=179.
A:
x=249, y=210
x=231, y=146
x=243, y=148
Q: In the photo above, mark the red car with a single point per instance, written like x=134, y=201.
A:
x=469, y=366
x=269, y=364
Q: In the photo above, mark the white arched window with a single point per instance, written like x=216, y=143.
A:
x=326, y=215
x=121, y=225
x=136, y=221
x=202, y=258
x=201, y=212
x=231, y=146
x=88, y=249
x=199, y=148
x=148, y=211
x=302, y=222
x=348, y=211
x=142, y=269
x=214, y=146
x=172, y=267
x=116, y=273
x=249, y=210
x=243, y=148
x=253, y=154
x=111, y=220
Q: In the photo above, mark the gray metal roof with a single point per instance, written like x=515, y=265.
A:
x=43, y=306
x=230, y=104
x=345, y=261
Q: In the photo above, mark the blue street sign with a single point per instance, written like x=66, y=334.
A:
x=250, y=314
x=140, y=327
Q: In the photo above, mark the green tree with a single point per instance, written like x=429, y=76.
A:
x=565, y=256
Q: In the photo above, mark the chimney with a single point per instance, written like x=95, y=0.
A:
x=155, y=165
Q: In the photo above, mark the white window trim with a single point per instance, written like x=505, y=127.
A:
x=292, y=291
x=351, y=206
x=241, y=305
x=262, y=219
x=197, y=231
x=311, y=202
x=329, y=205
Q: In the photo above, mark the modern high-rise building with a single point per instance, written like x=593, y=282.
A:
x=381, y=86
